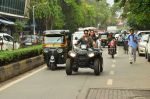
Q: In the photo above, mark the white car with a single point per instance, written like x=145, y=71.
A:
x=142, y=44
x=140, y=33
x=76, y=36
x=147, y=54
x=7, y=42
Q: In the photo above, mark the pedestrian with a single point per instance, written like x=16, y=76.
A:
x=98, y=43
x=132, y=43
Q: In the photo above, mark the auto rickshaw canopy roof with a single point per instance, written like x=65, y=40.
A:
x=53, y=32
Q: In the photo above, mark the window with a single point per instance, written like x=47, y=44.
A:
x=145, y=37
x=53, y=39
x=8, y=38
x=12, y=6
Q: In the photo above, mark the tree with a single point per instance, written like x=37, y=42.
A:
x=49, y=12
x=136, y=12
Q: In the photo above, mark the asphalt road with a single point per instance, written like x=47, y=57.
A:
x=42, y=83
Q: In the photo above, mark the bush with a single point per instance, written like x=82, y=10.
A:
x=7, y=57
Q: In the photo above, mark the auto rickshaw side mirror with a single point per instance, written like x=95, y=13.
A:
x=1, y=39
x=76, y=38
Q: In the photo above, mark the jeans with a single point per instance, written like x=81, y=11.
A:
x=132, y=54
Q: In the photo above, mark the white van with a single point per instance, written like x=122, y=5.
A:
x=7, y=42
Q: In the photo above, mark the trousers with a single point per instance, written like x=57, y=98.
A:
x=132, y=54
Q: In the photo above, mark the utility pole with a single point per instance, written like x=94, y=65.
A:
x=33, y=21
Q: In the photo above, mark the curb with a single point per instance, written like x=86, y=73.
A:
x=15, y=69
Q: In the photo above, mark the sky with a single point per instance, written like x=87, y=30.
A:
x=111, y=2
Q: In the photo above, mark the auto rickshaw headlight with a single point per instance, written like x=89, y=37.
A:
x=72, y=54
x=91, y=54
x=59, y=50
x=45, y=50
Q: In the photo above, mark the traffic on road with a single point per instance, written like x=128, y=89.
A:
x=75, y=49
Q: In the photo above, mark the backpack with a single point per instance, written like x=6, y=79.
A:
x=133, y=38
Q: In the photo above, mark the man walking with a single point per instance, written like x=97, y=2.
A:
x=132, y=43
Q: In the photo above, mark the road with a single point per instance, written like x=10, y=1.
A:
x=42, y=83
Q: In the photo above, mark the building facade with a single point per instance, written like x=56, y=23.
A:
x=10, y=11
x=14, y=8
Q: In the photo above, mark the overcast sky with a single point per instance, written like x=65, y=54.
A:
x=111, y=2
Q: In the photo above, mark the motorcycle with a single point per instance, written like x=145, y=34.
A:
x=112, y=48
x=84, y=57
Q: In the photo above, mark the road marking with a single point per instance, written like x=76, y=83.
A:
x=112, y=72
x=109, y=82
x=114, y=61
x=20, y=79
x=113, y=65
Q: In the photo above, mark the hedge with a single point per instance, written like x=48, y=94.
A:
x=7, y=57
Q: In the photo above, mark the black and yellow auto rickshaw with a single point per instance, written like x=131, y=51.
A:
x=56, y=44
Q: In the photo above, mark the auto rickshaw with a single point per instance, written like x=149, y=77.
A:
x=56, y=44
x=104, y=39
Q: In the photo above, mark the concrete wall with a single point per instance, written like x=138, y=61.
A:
x=12, y=70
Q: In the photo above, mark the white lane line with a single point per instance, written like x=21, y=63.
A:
x=114, y=61
x=20, y=79
x=109, y=82
x=113, y=65
x=112, y=72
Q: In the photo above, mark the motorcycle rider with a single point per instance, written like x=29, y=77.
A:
x=92, y=35
x=110, y=38
x=86, y=39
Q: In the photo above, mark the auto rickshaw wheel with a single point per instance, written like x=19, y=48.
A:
x=53, y=66
x=68, y=66
x=48, y=65
x=75, y=69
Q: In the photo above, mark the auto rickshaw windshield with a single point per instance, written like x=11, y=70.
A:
x=53, y=39
x=103, y=36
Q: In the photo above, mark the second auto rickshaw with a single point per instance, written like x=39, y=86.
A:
x=104, y=38
x=56, y=45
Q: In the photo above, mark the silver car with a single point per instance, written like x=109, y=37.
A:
x=142, y=44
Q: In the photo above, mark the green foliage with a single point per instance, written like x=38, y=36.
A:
x=137, y=13
x=72, y=14
x=19, y=25
x=7, y=57
x=49, y=11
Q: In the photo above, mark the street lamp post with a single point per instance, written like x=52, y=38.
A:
x=33, y=21
x=33, y=8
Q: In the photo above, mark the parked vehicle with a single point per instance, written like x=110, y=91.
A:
x=76, y=36
x=56, y=45
x=7, y=42
x=140, y=33
x=31, y=40
x=84, y=57
x=142, y=44
x=147, y=54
